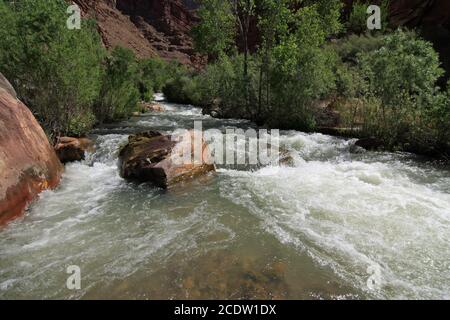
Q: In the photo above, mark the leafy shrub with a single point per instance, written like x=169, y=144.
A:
x=154, y=73
x=180, y=89
x=349, y=47
x=402, y=77
x=56, y=71
x=405, y=66
x=119, y=94
x=80, y=124
x=223, y=81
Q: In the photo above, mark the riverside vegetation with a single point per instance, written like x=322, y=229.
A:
x=69, y=81
x=382, y=84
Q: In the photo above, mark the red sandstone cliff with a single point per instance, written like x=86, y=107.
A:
x=149, y=27
x=28, y=164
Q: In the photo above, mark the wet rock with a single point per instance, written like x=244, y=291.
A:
x=222, y=275
x=71, y=149
x=369, y=144
x=286, y=158
x=5, y=85
x=325, y=113
x=213, y=109
x=28, y=163
x=151, y=107
x=156, y=158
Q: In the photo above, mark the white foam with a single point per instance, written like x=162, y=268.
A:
x=353, y=214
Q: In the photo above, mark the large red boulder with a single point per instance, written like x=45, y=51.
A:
x=155, y=158
x=28, y=163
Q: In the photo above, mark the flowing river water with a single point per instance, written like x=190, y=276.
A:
x=336, y=224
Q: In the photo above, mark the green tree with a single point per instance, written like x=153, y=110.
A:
x=56, y=71
x=404, y=66
x=119, y=94
x=273, y=23
x=221, y=23
x=215, y=34
x=302, y=69
x=402, y=76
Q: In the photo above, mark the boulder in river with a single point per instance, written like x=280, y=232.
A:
x=159, y=159
x=369, y=144
x=151, y=107
x=28, y=163
x=71, y=149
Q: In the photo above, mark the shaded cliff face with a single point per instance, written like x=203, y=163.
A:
x=149, y=27
x=28, y=164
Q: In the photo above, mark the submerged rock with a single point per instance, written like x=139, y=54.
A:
x=151, y=106
x=369, y=144
x=156, y=158
x=28, y=163
x=71, y=149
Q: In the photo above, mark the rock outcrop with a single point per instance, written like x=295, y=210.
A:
x=70, y=149
x=156, y=158
x=28, y=163
x=149, y=27
x=151, y=107
x=371, y=144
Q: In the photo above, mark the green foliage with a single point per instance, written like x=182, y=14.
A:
x=357, y=21
x=65, y=76
x=80, y=124
x=56, y=71
x=350, y=82
x=290, y=70
x=119, y=94
x=155, y=72
x=330, y=13
x=215, y=34
x=405, y=66
x=223, y=82
x=180, y=89
x=182, y=86
x=391, y=94
x=302, y=69
x=349, y=47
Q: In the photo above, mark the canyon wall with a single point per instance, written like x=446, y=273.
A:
x=149, y=27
